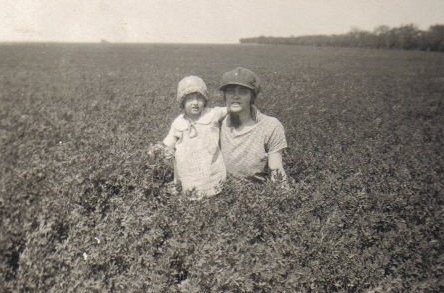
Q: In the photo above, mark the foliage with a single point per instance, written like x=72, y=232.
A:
x=84, y=208
x=407, y=37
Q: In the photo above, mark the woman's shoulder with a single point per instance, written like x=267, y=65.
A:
x=268, y=121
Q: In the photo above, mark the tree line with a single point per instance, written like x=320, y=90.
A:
x=408, y=37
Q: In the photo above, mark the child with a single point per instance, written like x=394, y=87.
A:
x=194, y=140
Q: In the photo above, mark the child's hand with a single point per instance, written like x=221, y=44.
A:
x=168, y=154
x=155, y=151
x=160, y=151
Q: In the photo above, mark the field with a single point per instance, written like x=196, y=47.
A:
x=83, y=209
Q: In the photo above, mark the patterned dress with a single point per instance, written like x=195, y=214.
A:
x=198, y=159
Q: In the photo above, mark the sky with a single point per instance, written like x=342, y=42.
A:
x=202, y=21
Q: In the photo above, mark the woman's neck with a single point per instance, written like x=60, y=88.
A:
x=241, y=119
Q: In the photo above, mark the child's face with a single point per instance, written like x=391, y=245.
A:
x=194, y=104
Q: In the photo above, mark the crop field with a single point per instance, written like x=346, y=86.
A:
x=83, y=208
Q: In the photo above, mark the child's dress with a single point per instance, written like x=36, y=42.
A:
x=198, y=159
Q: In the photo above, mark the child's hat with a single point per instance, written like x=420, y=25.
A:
x=241, y=76
x=191, y=84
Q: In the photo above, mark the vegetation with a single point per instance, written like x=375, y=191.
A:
x=407, y=37
x=83, y=209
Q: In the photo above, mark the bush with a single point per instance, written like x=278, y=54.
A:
x=84, y=209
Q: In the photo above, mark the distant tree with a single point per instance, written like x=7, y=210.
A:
x=407, y=37
x=435, y=38
x=381, y=30
x=382, y=34
x=361, y=38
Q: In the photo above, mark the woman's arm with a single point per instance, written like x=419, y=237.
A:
x=277, y=168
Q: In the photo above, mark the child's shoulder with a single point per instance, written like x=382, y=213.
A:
x=180, y=123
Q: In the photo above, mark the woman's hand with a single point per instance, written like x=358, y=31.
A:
x=277, y=169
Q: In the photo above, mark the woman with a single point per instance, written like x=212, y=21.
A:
x=251, y=142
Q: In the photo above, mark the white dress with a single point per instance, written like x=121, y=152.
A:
x=198, y=159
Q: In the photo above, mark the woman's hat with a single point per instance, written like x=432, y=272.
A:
x=241, y=76
x=191, y=84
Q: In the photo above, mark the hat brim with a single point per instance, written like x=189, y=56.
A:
x=221, y=88
x=199, y=91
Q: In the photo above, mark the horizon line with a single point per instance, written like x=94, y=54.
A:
x=104, y=43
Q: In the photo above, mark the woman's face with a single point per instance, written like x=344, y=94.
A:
x=193, y=105
x=238, y=98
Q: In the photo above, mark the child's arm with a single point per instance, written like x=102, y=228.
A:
x=164, y=149
x=169, y=151
x=169, y=143
x=221, y=112
x=170, y=140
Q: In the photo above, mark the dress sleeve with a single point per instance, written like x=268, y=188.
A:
x=276, y=140
x=176, y=132
x=171, y=138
